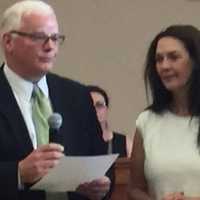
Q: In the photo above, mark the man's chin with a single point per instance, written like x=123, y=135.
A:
x=42, y=72
x=46, y=68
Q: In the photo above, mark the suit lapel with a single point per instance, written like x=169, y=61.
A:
x=57, y=105
x=10, y=109
x=54, y=94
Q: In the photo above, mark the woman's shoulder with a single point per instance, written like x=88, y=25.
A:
x=149, y=118
x=146, y=114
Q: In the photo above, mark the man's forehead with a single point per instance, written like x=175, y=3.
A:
x=39, y=22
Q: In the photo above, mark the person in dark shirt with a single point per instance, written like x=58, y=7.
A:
x=116, y=142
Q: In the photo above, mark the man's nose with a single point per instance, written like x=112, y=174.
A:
x=50, y=44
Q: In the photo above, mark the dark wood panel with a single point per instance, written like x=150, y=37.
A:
x=122, y=173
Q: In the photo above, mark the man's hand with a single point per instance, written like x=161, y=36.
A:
x=96, y=189
x=39, y=162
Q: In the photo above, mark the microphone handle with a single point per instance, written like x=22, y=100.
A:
x=54, y=136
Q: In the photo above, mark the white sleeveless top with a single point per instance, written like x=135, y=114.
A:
x=172, y=160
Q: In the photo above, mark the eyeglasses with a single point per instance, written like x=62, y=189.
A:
x=99, y=105
x=41, y=38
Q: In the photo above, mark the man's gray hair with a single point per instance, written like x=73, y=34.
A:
x=12, y=16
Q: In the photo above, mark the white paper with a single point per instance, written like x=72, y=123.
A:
x=74, y=170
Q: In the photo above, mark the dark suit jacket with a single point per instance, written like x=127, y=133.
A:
x=80, y=132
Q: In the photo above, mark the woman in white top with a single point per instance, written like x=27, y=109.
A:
x=166, y=152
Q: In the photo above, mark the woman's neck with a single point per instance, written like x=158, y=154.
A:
x=107, y=133
x=179, y=105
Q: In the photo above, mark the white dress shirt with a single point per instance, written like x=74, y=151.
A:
x=22, y=90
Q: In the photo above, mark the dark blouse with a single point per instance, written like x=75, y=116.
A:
x=118, y=144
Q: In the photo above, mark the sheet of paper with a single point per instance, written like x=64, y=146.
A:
x=73, y=170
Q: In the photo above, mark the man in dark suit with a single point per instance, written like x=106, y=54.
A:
x=30, y=39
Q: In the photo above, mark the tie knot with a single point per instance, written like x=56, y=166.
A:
x=37, y=93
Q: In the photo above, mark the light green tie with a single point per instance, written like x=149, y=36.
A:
x=41, y=110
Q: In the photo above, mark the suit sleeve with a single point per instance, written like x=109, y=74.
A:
x=8, y=183
x=9, y=158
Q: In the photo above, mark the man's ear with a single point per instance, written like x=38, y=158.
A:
x=7, y=41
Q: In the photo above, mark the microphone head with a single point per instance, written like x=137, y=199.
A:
x=55, y=121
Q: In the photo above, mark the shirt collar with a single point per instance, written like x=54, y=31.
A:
x=22, y=87
x=42, y=84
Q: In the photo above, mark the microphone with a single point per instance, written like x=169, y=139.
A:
x=55, y=122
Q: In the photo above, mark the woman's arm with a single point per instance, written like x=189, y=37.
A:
x=129, y=145
x=137, y=188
